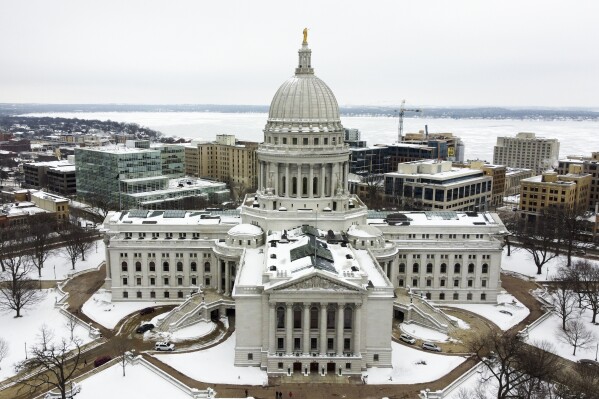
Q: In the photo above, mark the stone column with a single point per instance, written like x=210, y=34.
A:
x=311, y=182
x=306, y=328
x=334, y=178
x=299, y=180
x=260, y=176
x=276, y=178
x=219, y=286
x=227, y=279
x=107, y=256
x=357, y=327
x=323, y=328
x=346, y=177
x=289, y=327
x=322, y=174
x=340, y=313
x=272, y=325
x=287, y=178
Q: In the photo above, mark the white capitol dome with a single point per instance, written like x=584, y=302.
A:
x=304, y=103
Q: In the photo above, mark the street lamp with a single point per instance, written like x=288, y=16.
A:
x=547, y=275
x=54, y=272
x=596, y=350
x=25, y=350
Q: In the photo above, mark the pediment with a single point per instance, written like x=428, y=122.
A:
x=316, y=282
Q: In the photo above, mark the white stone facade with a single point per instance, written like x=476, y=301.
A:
x=313, y=278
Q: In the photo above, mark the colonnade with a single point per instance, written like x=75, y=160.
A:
x=228, y=273
x=322, y=333
x=322, y=178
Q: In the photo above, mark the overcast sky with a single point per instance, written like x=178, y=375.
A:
x=446, y=53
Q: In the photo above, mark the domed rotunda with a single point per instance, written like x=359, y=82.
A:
x=303, y=161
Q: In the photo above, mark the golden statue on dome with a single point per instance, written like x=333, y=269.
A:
x=305, y=36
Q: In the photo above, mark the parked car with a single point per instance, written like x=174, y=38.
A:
x=506, y=312
x=429, y=346
x=164, y=346
x=407, y=338
x=101, y=360
x=144, y=327
x=147, y=310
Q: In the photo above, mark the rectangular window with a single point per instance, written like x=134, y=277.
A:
x=330, y=344
x=313, y=343
x=375, y=357
x=348, y=366
x=346, y=344
x=456, y=283
x=166, y=294
x=138, y=281
x=166, y=281
x=125, y=294
x=152, y=281
x=280, y=343
x=179, y=280
x=250, y=356
x=124, y=280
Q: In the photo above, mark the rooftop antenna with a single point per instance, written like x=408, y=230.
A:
x=400, y=114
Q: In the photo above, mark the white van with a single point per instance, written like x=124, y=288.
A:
x=164, y=346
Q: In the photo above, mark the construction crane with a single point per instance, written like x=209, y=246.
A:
x=400, y=113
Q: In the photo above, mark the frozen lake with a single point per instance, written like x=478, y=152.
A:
x=479, y=135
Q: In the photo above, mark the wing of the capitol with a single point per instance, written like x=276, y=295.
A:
x=314, y=279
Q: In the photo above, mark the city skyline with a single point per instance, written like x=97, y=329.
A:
x=431, y=53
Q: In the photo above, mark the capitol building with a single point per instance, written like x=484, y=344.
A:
x=314, y=279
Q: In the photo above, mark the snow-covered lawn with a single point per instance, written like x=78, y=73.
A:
x=550, y=328
x=24, y=331
x=423, y=333
x=521, y=262
x=57, y=267
x=505, y=314
x=215, y=365
x=412, y=366
x=139, y=382
x=474, y=384
x=103, y=311
x=195, y=331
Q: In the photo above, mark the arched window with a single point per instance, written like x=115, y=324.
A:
x=442, y=296
x=348, y=318
x=471, y=268
x=207, y=267
x=304, y=186
x=294, y=185
x=124, y=266
x=314, y=317
x=415, y=267
x=402, y=267
x=179, y=266
x=152, y=266
x=194, y=267
x=456, y=268
x=429, y=267
x=138, y=266
x=443, y=268
x=280, y=317
x=297, y=317
x=165, y=267
x=485, y=268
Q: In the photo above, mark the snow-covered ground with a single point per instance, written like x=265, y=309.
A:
x=412, y=366
x=521, y=262
x=215, y=365
x=194, y=331
x=479, y=382
x=550, y=330
x=23, y=332
x=139, y=382
x=505, y=314
x=103, y=311
x=423, y=333
x=58, y=267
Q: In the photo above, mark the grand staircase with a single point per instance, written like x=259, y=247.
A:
x=418, y=310
x=183, y=315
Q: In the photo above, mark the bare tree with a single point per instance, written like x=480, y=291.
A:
x=581, y=383
x=511, y=364
x=586, y=278
x=71, y=324
x=70, y=249
x=563, y=297
x=58, y=362
x=17, y=289
x=121, y=346
x=3, y=349
x=577, y=335
x=571, y=224
x=540, y=241
x=40, y=230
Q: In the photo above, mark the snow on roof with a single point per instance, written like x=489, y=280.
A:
x=245, y=229
x=365, y=231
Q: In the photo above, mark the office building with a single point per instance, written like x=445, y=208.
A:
x=527, y=151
